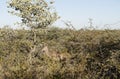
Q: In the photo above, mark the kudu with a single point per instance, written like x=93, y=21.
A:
x=55, y=55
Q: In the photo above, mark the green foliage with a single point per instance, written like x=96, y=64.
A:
x=95, y=54
x=33, y=13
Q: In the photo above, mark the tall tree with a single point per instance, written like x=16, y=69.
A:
x=33, y=13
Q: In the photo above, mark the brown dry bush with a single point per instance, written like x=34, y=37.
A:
x=95, y=54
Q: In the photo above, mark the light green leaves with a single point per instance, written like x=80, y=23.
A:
x=33, y=13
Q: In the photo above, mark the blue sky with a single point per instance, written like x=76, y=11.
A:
x=77, y=11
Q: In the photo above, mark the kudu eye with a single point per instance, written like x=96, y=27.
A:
x=43, y=51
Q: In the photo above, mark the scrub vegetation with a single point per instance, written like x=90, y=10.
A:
x=92, y=54
x=46, y=52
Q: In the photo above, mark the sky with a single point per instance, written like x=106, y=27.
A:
x=102, y=12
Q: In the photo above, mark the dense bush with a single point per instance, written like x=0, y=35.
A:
x=94, y=54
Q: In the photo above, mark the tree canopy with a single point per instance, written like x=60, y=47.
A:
x=33, y=13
